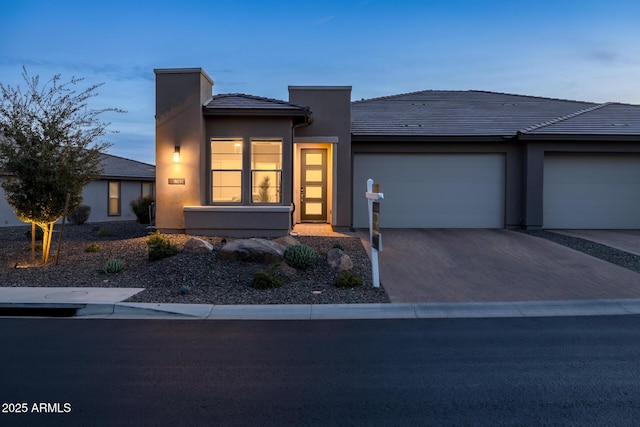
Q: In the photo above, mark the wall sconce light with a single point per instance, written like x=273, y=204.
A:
x=176, y=154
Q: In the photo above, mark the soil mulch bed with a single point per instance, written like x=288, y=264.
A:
x=211, y=280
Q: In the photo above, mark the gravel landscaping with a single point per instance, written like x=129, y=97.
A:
x=606, y=253
x=183, y=278
x=206, y=278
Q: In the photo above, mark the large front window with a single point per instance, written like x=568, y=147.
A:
x=226, y=170
x=266, y=170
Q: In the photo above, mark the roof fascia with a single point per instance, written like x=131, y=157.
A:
x=429, y=138
x=125, y=178
x=577, y=137
x=254, y=112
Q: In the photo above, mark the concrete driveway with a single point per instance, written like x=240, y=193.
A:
x=478, y=265
x=625, y=240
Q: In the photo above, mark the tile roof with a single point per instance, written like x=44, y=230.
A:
x=457, y=113
x=239, y=103
x=121, y=168
x=604, y=119
x=114, y=167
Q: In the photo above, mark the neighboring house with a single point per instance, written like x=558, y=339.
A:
x=122, y=180
x=243, y=165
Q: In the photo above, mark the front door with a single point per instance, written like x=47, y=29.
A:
x=313, y=185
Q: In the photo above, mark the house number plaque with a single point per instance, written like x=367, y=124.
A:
x=177, y=181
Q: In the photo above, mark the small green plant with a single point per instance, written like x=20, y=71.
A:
x=93, y=247
x=300, y=256
x=140, y=208
x=338, y=245
x=104, y=232
x=266, y=279
x=160, y=247
x=113, y=266
x=185, y=289
x=347, y=279
x=80, y=215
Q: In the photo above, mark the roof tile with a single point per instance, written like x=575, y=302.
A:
x=119, y=167
x=239, y=101
x=456, y=113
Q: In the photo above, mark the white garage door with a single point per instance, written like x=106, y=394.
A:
x=591, y=191
x=432, y=190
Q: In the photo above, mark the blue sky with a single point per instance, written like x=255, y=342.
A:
x=585, y=50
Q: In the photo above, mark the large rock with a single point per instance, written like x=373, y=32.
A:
x=253, y=250
x=197, y=246
x=338, y=260
x=287, y=241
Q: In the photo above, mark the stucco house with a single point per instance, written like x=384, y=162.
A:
x=243, y=165
x=121, y=181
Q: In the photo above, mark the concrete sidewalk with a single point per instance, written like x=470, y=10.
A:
x=107, y=303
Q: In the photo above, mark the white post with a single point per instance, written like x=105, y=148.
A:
x=371, y=196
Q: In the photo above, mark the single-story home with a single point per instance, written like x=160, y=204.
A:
x=121, y=181
x=243, y=165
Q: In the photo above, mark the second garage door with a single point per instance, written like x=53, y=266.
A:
x=432, y=190
x=591, y=191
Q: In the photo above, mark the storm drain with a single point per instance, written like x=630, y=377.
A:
x=26, y=311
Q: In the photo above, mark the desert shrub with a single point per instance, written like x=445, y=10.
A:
x=140, y=208
x=113, y=266
x=338, y=245
x=160, y=247
x=93, y=247
x=266, y=279
x=300, y=256
x=80, y=215
x=347, y=279
x=104, y=232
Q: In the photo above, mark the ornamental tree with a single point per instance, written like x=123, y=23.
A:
x=48, y=148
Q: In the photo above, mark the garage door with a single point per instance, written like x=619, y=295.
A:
x=591, y=191
x=432, y=190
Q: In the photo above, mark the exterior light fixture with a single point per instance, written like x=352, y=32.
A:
x=176, y=154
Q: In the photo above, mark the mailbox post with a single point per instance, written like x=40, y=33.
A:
x=375, y=238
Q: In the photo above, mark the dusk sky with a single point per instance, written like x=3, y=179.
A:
x=584, y=49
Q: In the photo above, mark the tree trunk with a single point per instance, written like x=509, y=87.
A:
x=33, y=241
x=64, y=217
x=46, y=241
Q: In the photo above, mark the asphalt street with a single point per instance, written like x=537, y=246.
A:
x=510, y=371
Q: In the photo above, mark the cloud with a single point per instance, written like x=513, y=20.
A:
x=604, y=56
x=114, y=72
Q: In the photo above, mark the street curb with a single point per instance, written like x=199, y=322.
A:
x=610, y=307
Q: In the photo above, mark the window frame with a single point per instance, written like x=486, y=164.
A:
x=213, y=170
x=277, y=171
x=153, y=189
x=118, y=198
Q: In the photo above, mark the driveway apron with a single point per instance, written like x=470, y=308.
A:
x=625, y=240
x=479, y=265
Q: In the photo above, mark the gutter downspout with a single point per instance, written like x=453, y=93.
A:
x=308, y=119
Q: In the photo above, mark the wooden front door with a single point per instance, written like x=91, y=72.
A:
x=313, y=185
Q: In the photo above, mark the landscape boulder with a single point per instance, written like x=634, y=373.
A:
x=287, y=241
x=197, y=246
x=253, y=250
x=338, y=260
